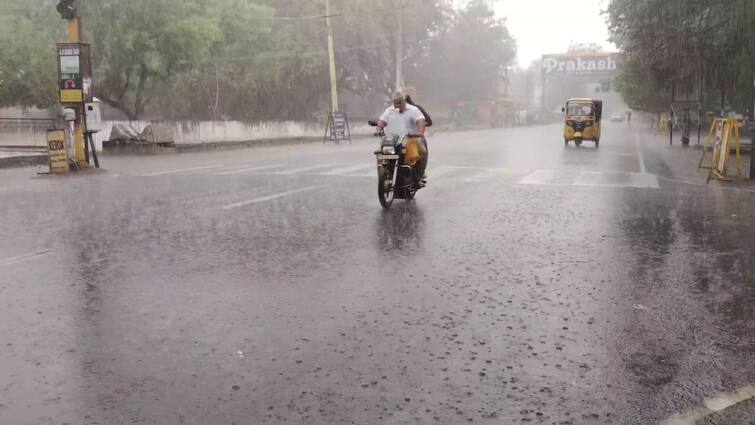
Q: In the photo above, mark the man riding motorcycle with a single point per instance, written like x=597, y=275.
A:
x=403, y=119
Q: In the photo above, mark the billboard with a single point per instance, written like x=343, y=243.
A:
x=600, y=64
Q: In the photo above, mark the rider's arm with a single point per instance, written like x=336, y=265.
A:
x=383, y=121
x=421, y=126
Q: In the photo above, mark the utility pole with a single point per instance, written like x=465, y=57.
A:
x=69, y=11
x=331, y=54
x=399, y=50
x=400, y=44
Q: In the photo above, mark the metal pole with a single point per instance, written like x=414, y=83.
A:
x=79, y=145
x=671, y=122
x=752, y=139
x=399, y=50
x=332, y=56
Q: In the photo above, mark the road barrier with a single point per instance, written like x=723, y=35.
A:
x=722, y=139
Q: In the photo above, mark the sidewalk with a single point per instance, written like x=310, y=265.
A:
x=740, y=414
x=21, y=157
x=679, y=163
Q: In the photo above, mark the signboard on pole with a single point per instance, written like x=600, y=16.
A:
x=338, y=129
x=74, y=73
x=56, y=150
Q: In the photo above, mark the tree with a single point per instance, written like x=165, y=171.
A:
x=693, y=47
x=27, y=53
x=142, y=45
x=469, y=60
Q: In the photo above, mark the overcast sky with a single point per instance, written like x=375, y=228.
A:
x=549, y=26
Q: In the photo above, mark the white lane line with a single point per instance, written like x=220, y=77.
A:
x=302, y=170
x=443, y=170
x=643, y=170
x=484, y=175
x=269, y=198
x=645, y=180
x=347, y=170
x=588, y=178
x=248, y=169
x=185, y=170
x=22, y=258
x=714, y=404
x=539, y=177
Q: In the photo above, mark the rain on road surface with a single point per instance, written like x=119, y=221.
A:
x=527, y=283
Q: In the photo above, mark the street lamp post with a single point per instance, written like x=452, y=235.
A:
x=332, y=60
x=400, y=5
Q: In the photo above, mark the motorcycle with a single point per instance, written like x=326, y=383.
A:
x=396, y=179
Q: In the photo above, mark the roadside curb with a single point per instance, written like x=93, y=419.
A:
x=23, y=161
x=215, y=146
x=721, y=409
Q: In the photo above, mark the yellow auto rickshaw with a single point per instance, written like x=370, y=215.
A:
x=582, y=121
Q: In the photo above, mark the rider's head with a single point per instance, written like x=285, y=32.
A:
x=399, y=101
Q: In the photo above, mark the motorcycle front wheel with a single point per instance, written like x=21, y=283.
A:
x=385, y=189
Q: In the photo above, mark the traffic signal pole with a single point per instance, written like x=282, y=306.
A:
x=68, y=10
x=74, y=36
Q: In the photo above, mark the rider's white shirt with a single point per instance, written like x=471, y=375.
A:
x=401, y=124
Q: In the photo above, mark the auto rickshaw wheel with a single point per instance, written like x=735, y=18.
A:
x=578, y=143
x=597, y=143
x=566, y=142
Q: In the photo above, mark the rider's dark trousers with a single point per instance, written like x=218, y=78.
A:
x=421, y=165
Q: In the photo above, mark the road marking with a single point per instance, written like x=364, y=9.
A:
x=347, y=170
x=248, y=169
x=436, y=173
x=166, y=173
x=643, y=170
x=269, y=198
x=302, y=170
x=539, y=177
x=593, y=179
x=22, y=258
x=715, y=404
x=484, y=175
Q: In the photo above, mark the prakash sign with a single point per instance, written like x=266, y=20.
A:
x=581, y=65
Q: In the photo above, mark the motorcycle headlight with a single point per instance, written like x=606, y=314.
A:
x=389, y=150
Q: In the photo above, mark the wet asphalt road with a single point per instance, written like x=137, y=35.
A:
x=527, y=283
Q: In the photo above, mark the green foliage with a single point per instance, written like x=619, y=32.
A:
x=698, y=47
x=469, y=59
x=253, y=60
x=28, y=71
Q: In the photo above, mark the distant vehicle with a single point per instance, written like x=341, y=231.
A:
x=617, y=117
x=582, y=121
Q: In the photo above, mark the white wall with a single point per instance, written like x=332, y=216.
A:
x=191, y=132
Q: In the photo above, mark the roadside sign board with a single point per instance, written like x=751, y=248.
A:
x=56, y=150
x=338, y=128
x=74, y=73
